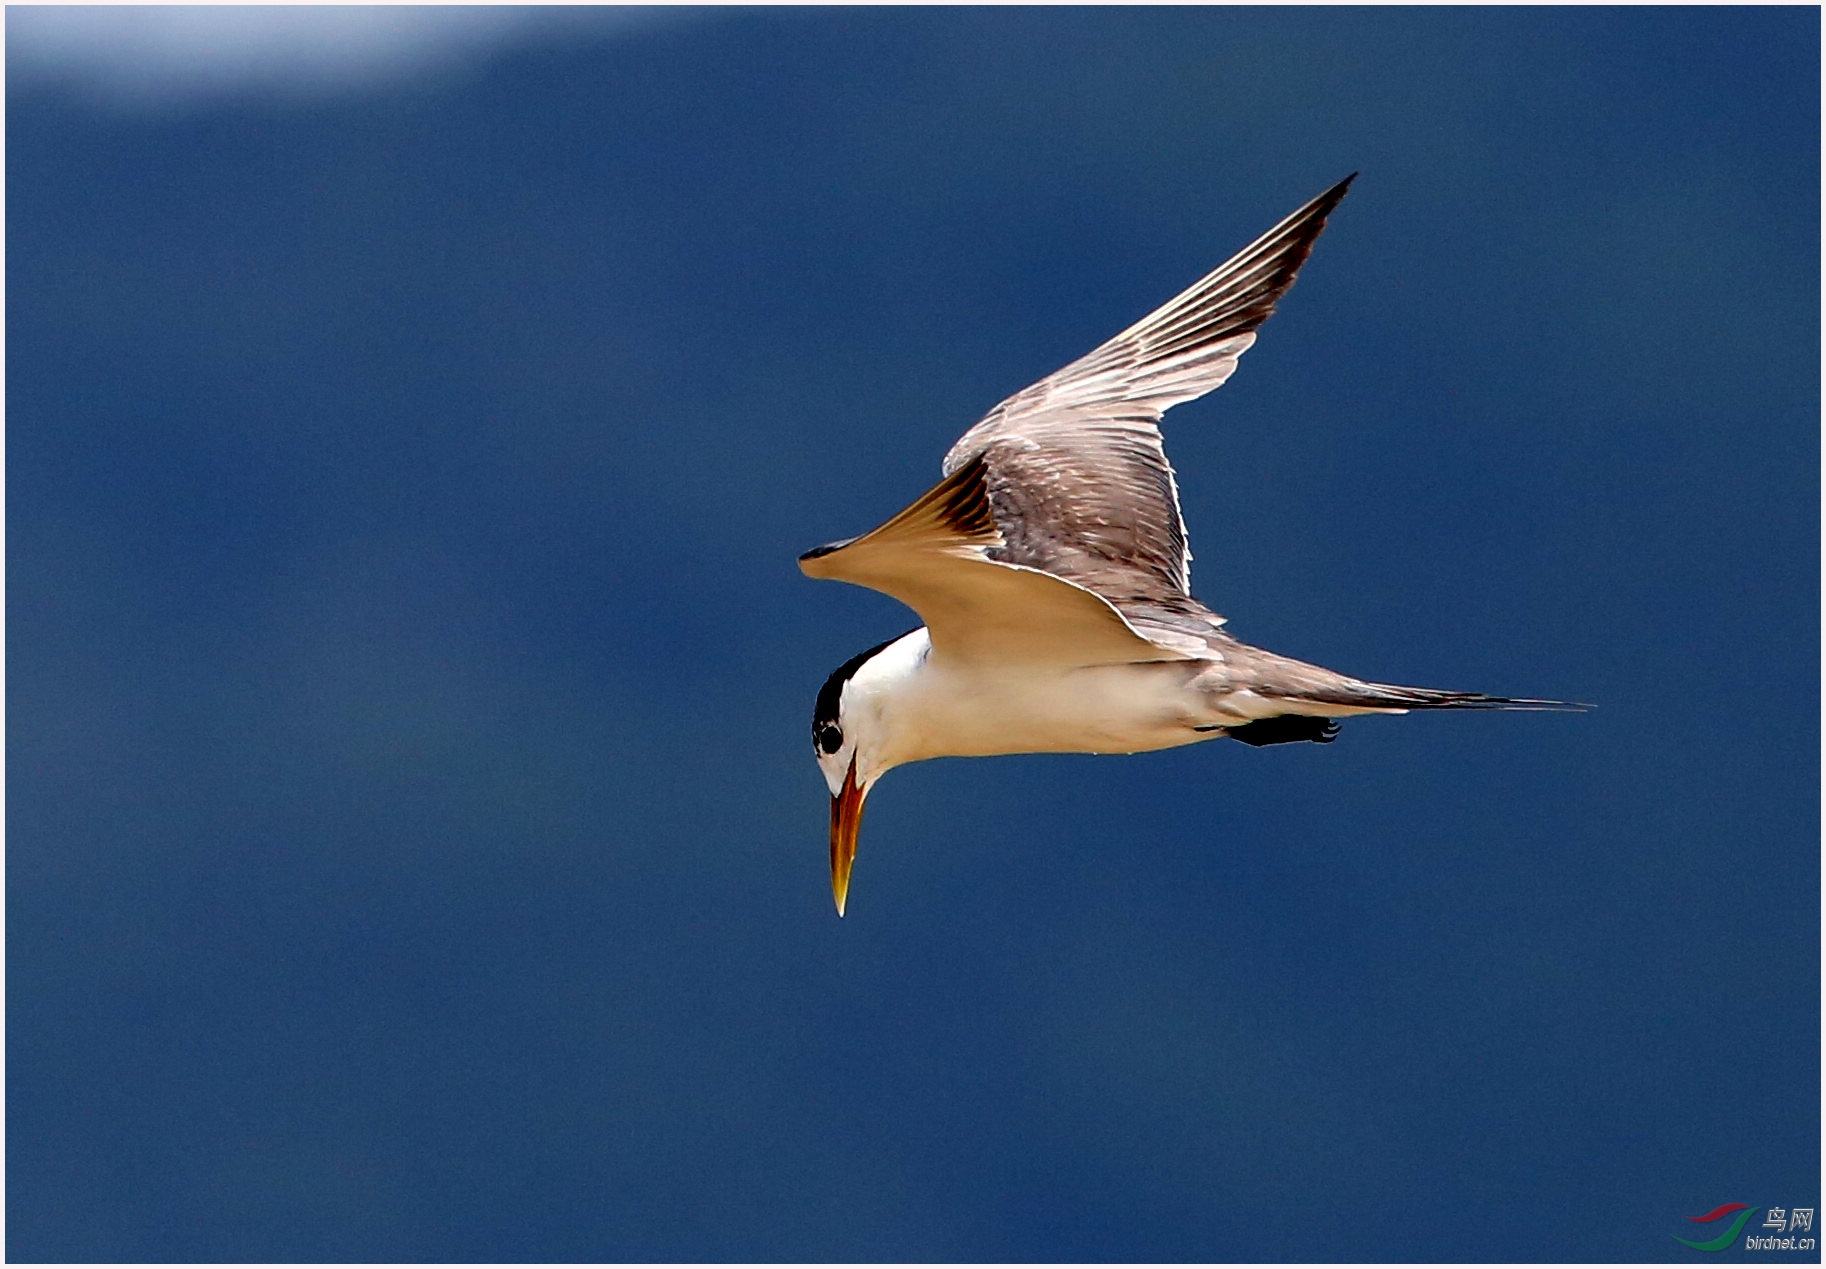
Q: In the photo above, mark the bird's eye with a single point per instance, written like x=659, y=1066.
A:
x=829, y=738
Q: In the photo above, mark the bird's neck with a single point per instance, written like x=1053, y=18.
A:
x=886, y=702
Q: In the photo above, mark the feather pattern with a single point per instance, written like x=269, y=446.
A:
x=935, y=558
x=1076, y=472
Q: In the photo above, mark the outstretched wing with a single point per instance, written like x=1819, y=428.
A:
x=1076, y=474
x=934, y=558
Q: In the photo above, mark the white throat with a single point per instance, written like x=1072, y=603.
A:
x=881, y=707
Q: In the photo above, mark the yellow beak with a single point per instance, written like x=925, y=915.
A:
x=846, y=818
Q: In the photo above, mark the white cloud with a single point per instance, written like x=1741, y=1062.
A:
x=160, y=54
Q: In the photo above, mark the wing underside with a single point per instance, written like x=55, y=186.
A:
x=934, y=557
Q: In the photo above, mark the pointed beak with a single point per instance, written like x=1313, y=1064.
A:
x=846, y=818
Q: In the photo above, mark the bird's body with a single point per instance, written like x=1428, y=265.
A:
x=929, y=707
x=925, y=706
x=1051, y=568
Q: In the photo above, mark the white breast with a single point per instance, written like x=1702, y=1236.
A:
x=927, y=709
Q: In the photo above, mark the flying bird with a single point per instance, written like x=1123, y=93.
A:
x=1051, y=568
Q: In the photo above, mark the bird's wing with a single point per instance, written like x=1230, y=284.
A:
x=1077, y=477
x=934, y=558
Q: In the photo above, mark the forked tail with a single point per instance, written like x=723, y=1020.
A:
x=1313, y=715
x=1390, y=696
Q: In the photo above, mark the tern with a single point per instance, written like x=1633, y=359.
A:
x=1051, y=569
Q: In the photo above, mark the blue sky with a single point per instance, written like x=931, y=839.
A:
x=415, y=850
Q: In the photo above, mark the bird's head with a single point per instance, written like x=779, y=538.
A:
x=851, y=738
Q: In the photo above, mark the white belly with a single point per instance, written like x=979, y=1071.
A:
x=1099, y=709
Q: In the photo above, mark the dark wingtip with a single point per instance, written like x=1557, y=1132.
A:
x=829, y=548
x=1326, y=202
x=1240, y=294
x=1552, y=707
x=1477, y=700
x=1391, y=696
